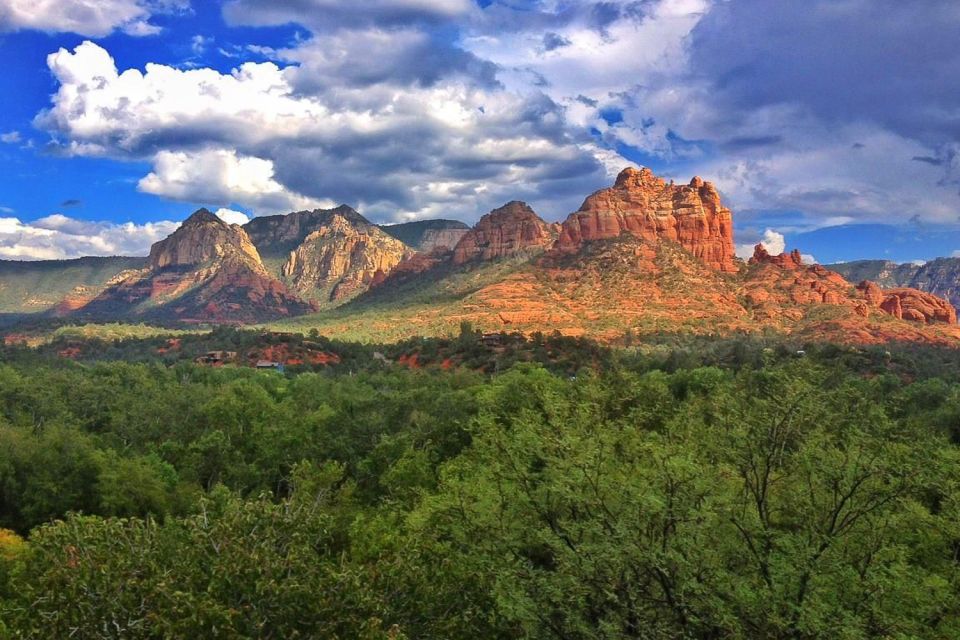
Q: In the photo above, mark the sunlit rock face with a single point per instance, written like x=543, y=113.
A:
x=512, y=229
x=648, y=207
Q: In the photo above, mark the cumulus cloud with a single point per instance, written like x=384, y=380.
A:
x=11, y=137
x=773, y=241
x=58, y=237
x=250, y=137
x=231, y=216
x=94, y=18
x=222, y=176
x=417, y=108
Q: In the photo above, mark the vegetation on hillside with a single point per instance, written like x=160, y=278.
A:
x=679, y=488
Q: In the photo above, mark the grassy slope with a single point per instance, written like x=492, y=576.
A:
x=32, y=287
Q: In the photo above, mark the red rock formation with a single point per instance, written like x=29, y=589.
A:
x=648, y=207
x=790, y=260
x=510, y=230
x=909, y=304
x=205, y=271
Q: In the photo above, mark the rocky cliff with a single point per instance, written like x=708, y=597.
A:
x=648, y=207
x=513, y=229
x=201, y=238
x=279, y=235
x=342, y=258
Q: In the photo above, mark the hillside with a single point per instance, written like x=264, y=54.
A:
x=641, y=257
x=621, y=287
x=34, y=287
x=428, y=235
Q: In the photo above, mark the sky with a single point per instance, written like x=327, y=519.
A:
x=832, y=126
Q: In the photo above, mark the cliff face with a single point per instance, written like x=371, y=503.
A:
x=441, y=239
x=511, y=230
x=278, y=235
x=342, y=258
x=647, y=207
x=201, y=238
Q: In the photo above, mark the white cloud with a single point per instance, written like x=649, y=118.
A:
x=955, y=254
x=231, y=216
x=250, y=137
x=772, y=241
x=11, y=137
x=58, y=237
x=220, y=177
x=808, y=259
x=837, y=175
x=94, y=18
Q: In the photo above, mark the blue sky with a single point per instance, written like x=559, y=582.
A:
x=828, y=125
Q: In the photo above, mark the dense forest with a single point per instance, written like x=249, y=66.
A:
x=536, y=488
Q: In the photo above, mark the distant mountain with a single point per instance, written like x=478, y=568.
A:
x=341, y=259
x=940, y=277
x=428, y=235
x=39, y=286
x=276, y=236
x=206, y=271
x=643, y=255
x=326, y=255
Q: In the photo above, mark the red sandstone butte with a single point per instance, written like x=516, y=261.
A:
x=648, y=207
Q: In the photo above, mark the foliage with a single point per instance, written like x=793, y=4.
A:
x=716, y=490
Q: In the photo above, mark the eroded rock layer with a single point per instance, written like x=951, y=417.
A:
x=511, y=230
x=648, y=207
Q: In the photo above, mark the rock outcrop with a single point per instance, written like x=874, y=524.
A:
x=785, y=260
x=777, y=283
x=909, y=304
x=940, y=277
x=201, y=238
x=648, y=207
x=513, y=229
x=342, y=258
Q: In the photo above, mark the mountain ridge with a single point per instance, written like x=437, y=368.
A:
x=641, y=255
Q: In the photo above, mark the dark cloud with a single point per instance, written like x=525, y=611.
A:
x=749, y=142
x=885, y=61
x=72, y=202
x=319, y=15
x=553, y=41
x=929, y=160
